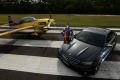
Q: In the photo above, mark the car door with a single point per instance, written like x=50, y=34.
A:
x=109, y=44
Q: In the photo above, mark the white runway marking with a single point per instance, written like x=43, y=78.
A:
x=116, y=29
x=49, y=31
x=74, y=31
x=33, y=64
x=57, y=27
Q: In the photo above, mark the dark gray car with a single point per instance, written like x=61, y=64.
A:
x=88, y=49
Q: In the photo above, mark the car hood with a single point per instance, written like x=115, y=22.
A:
x=81, y=50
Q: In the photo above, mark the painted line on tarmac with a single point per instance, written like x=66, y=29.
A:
x=116, y=29
x=34, y=64
x=57, y=27
x=74, y=31
x=61, y=28
x=37, y=43
x=49, y=31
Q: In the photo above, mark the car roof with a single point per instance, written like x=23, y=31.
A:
x=102, y=31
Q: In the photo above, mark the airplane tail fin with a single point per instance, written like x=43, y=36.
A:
x=10, y=21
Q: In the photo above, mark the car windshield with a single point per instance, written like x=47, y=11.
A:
x=91, y=38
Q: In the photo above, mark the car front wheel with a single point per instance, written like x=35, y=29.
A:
x=97, y=68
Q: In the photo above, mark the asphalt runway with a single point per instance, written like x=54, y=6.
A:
x=45, y=52
x=42, y=36
x=19, y=75
x=17, y=62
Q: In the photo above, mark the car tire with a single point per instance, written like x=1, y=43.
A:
x=94, y=71
x=114, y=47
x=96, y=68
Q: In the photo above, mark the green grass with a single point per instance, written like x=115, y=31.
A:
x=72, y=19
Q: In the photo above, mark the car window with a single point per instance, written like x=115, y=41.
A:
x=110, y=36
x=91, y=38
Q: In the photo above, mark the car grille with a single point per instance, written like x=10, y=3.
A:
x=71, y=59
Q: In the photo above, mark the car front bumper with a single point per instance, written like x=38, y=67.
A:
x=77, y=65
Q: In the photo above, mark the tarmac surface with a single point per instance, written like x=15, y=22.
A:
x=21, y=58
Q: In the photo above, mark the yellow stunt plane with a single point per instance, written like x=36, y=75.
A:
x=28, y=22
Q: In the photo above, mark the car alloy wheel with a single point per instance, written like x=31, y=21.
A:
x=97, y=67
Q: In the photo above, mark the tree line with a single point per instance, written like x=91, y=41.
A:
x=60, y=6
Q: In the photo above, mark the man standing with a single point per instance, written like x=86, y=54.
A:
x=67, y=33
x=10, y=21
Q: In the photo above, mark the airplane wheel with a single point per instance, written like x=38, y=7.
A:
x=45, y=30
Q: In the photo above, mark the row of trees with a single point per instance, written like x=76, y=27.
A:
x=60, y=6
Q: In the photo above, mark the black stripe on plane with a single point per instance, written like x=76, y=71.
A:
x=19, y=75
x=45, y=52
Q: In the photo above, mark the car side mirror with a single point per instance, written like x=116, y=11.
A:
x=108, y=45
x=75, y=35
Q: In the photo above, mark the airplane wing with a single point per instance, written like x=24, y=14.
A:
x=15, y=30
x=35, y=26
